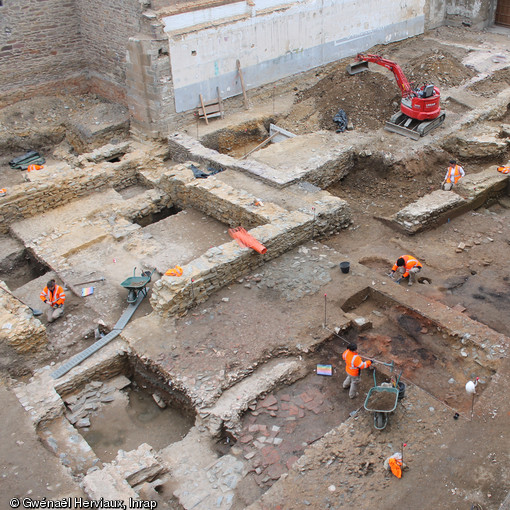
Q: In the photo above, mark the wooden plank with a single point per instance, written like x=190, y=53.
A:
x=265, y=142
x=238, y=64
x=213, y=108
x=203, y=109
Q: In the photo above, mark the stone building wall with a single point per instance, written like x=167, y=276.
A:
x=106, y=27
x=40, y=42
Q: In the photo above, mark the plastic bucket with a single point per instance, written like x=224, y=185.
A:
x=401, y=390
x=345, y=266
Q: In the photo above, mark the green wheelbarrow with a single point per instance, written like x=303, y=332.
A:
x=137, y=284
x=382, y=400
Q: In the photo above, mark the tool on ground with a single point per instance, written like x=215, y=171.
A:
x=245, y=97
x=137, y=285
x=247, y=240
x=102, y=279
x=35, y=311
x=420, y=111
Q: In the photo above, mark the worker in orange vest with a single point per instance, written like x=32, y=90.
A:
x=54, y=296
x=408, y=266
x=353, y=365
x=453, y=174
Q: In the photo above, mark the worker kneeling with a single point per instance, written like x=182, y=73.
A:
x=353, y=365
x=54, y=296
x=407, y=266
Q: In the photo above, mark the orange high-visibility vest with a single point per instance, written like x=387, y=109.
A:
x=504, y=169
x=55, y=298
x=396, y=467
x=454, y=174
x=353, y=363
x=410, y=263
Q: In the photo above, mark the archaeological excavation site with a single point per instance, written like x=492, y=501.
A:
x=226, y=195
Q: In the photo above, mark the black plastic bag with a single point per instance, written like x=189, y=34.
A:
x=340, y=119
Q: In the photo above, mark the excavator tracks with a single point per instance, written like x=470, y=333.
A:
x=412, y=128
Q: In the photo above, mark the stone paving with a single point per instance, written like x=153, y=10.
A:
x=278, y=429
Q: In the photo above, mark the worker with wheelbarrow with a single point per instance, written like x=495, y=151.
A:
x=353, y=365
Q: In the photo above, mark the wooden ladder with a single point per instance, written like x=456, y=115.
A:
x=209, y=109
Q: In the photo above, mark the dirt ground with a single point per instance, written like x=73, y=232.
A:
x=248, y=322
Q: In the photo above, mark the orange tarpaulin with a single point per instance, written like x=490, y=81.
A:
x=31, y=168
x=245, y=239
x=175, y=271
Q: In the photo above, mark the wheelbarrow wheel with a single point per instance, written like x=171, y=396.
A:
x=132, y=295
x=380, y=420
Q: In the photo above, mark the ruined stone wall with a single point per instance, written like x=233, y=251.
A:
x=27, y=200
x=40, y=46
x=19, y=329
x=279, y=230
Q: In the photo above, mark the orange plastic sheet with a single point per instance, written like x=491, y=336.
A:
x=174, y=271
x=245, y=239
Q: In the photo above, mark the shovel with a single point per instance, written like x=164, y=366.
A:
x=35, y=312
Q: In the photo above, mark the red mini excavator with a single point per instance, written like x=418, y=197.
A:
x=420, y=111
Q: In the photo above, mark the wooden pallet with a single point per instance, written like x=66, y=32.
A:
x=210, y=109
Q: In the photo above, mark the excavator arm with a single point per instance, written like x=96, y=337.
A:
x=403, y=84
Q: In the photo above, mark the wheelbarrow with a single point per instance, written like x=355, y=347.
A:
x=382, y=400
x=137, y=284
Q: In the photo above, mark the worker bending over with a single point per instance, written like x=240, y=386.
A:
x=353, y=365
x=54, y=296
x=453, y=175
x=408, y=266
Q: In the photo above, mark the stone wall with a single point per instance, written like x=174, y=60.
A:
x=28, y=199
x=278, y=230
x=19, y=329
x=40, y=46
x=106, y=27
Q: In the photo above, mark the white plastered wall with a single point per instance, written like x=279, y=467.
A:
x=274, y=39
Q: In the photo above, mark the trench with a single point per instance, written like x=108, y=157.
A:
x=154, y=217
x=421, y=350
x=134, y=407
x=21, y=269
